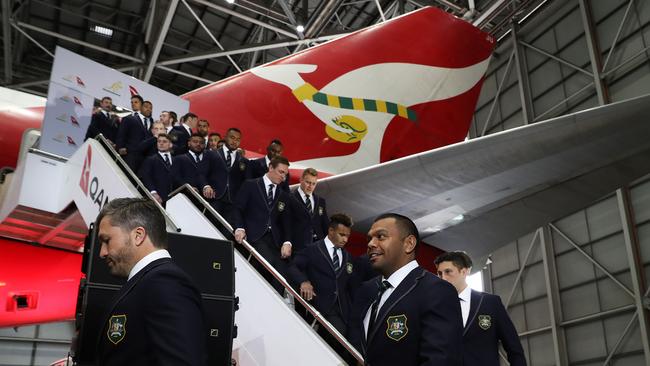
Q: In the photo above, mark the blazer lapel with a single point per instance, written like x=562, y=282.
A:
x=404, y=288
x=263, y=192
x=128, y=286
x=162, y=161
x=474, y=305
x=323, y=249
x=299, y=198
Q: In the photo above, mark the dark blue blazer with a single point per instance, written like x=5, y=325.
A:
x=419, y=324
x=487, y=324
x=148, y=147
x=188, y=171
x=362, y=272
x=258, y=168
x=226, y=181
x=157, y=176
x=129, y=135
x=156, y=318
x=314, y=264
x=179, y=137
x=131, y=132
x=99, y=123
x=307, y=227
x=254, y=215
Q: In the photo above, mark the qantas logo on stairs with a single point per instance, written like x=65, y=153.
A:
x=90, y=185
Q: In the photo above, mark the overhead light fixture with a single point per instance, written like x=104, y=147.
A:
x=300, y=28
x=102, y=30
x=230, y=1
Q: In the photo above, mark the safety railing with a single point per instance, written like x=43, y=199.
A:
x=133, y=178
x=227, y=230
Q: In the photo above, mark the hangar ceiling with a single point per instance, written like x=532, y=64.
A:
x=181, y=45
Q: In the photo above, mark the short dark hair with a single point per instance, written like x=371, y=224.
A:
x=204, y=120
x=279, y=160
x=196, y=134
x=310, y=171
x=215, y=134
x=163, y=135
x=234, y=129
x=406, y=226
x=275, y=142
x=109, y=98
x=130, y=213
x=136, y=96
x=188, y=115
x=147, y=102
x=459, y=258
x=340, y=219
x=173, y=116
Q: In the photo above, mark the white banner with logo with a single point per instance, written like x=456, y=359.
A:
x=74, y=84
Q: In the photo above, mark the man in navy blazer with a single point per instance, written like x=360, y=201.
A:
x=259, y=167
x=157, y=170
x=260, y=205
x=226, y=173
x=308, y=220
x=134, y=129
x=322, y=272
x=181, y=134
x=485, y=319
x=408, y=316
x=192, y=167
x=101, y=122
x=156, y=318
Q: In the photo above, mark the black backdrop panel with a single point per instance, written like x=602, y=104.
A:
x=210, y=264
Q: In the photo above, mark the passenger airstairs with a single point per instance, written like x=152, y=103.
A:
x=72, y=191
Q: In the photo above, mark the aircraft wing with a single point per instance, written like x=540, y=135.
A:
x=477, y=195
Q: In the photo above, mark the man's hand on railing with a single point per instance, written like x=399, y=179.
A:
x=122, y=151
x=285, y=251
x=208, y=192
x=307, y=291
x=240, y=235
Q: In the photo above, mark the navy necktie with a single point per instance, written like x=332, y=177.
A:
x=308, y=203
x=335, y=258
x=229, y=158
x=269, y=195
x=167, y=161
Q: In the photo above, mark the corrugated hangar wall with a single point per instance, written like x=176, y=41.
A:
x=577, y=288
x=574, y=287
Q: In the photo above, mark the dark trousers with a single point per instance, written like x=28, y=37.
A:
x=271, y=252
x=340, y=324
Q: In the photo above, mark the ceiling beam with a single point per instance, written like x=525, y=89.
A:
x=76, y=41
x=246, y=18
x=6, y=37
x=162, y=34
x=254, y=48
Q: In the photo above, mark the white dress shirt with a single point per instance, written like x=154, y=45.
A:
x=187, y=128
x=303, y=195
x=169, y=156
x=465, y=298
x=153, y=256
x=194, y=156
x=233, y=154
x=395, y=279
x=330, y=250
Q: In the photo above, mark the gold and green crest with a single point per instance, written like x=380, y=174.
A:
x=116, y=328
x=348, y=267
x=484, y=322
x=396, y=328
x=280, y=206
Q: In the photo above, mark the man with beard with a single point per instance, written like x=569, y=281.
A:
x=156, y=318
x=408, y=316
